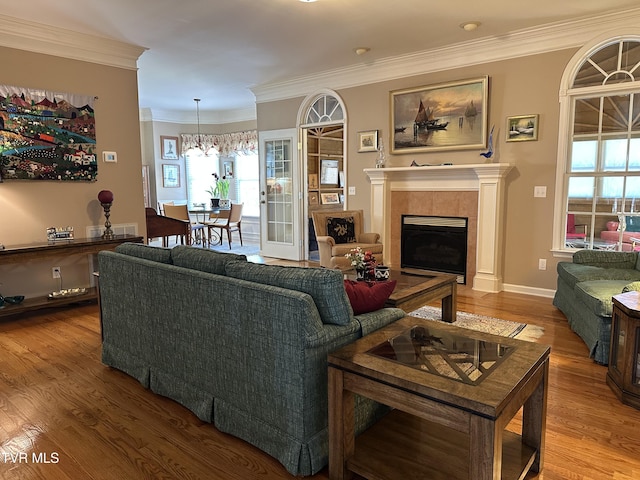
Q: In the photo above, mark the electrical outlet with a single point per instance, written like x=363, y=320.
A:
x=542, y=264
x=352, y=190
x=55, y=271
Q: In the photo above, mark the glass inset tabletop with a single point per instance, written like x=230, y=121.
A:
x=457, y=357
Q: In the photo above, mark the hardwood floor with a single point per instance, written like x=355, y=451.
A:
x=64, y=415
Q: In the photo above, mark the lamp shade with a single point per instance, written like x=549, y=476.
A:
x=105, y=196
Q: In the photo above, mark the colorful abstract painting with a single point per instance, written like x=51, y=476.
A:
x=46, y=135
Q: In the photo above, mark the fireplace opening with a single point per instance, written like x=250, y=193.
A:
x=437, y=244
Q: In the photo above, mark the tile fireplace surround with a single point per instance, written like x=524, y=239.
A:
x=475, y=191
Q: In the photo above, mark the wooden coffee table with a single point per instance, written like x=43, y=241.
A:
x=415, y=291
x=453, y=392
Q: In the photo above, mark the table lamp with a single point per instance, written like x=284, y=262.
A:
x=106, y=199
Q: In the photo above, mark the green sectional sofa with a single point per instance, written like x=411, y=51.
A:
x=242, y=345
x=585, y=290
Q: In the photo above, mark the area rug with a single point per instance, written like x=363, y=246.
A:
x=247, y=250
x=481, y=323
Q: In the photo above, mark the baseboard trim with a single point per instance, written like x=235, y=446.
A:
x=538, y=292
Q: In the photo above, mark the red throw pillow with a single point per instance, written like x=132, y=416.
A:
x=368, y=296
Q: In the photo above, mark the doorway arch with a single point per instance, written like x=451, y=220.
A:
x=321, y=115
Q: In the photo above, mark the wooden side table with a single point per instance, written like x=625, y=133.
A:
x=623, y=376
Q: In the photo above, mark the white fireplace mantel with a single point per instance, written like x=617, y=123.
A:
x=486, y=178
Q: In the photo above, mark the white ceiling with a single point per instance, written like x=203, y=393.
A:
x=217, y=50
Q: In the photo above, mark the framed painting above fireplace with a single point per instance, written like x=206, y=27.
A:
x=447, y=116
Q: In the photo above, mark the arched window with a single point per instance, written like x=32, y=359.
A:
x=325, y=109
x=598, y=181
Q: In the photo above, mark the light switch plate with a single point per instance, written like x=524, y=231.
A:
x=110, y=157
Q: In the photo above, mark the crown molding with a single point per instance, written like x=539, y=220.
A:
x=59, y=42
x=520, y=43
x=206, y=117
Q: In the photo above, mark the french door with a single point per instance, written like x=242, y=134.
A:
x=280, y=209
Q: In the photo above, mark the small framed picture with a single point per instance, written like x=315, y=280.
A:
x=169, y=148
x=329, y=172
x=313, y=180
x=227, y=168
x=170, y=176
x=368, y=141
x=313, y=198
x=523, y=128
x=330, y=198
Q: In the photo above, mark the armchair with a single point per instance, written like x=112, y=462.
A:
x=337, y=232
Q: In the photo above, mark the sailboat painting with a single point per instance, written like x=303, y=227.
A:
x=450, y=116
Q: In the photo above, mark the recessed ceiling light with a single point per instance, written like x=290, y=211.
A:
x=361, y=50
x=307, y=1
x=469, y=26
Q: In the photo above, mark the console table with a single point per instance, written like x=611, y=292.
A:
x=37, y=251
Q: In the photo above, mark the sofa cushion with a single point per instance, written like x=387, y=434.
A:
x=597, y=294
x=203, y=260
x=368, y=297
x=325, y=286
x=342, y=229
x=140, y=250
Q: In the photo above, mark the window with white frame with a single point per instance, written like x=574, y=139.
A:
x=200, y=169
x=246, y=174
x=601, y=174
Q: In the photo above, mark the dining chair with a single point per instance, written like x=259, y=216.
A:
x=231, y=223
x=181, y=212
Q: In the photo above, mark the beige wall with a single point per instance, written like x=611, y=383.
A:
x=527, y=85
x=27, y=208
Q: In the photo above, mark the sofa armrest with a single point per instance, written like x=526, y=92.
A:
x=369, y=237
x=606, y=258
x=372, y=321
x=326, y=240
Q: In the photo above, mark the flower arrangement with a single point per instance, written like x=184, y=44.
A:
x=220, y=188
x=362, y=260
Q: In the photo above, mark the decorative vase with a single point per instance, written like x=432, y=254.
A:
x=215, y=203
x=360, y=272
x=382, y=273
x=224, y=203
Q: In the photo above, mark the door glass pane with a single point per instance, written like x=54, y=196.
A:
x=279, y=168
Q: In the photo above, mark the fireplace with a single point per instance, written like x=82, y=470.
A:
x=437, y=244
x=474, y=191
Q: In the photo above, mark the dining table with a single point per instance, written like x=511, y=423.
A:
x=209, y=215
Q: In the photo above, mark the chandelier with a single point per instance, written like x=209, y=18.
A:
x=199, y=144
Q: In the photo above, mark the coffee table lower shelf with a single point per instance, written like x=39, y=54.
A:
x=404, y=446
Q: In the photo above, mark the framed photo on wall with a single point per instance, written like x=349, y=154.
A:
x=523, y=128
x=227, y=168
x=447, y=116
x=368, y=141
x=170, y=176
x=169, y=148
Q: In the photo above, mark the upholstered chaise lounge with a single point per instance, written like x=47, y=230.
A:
x=585, y=290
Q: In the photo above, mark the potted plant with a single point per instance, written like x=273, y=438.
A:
x=219, y=191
